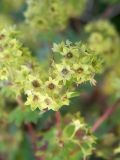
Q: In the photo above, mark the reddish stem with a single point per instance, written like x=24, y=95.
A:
x=105, y=115
x=111, y=11
x=58, y=118
x=31, y=133
x=33, y=139
x=107, y=12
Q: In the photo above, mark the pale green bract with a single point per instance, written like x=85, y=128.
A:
x=22, y=74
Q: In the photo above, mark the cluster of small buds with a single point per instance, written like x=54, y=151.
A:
x=53, y=14
x=22, y=73
x=101, y=36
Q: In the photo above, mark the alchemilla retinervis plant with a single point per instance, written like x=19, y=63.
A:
x=59, y=80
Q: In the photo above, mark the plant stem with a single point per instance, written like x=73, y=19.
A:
x=108, y=112
x=58, y=119
x=31, y=133
x=20, y=102
x=111, y=11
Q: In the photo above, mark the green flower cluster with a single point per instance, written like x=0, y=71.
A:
x=17, y=67
x=112, y=81
x=103, y=39
x=77, y=62
x=52, y=14
x=21, y=72
x=73, y=133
